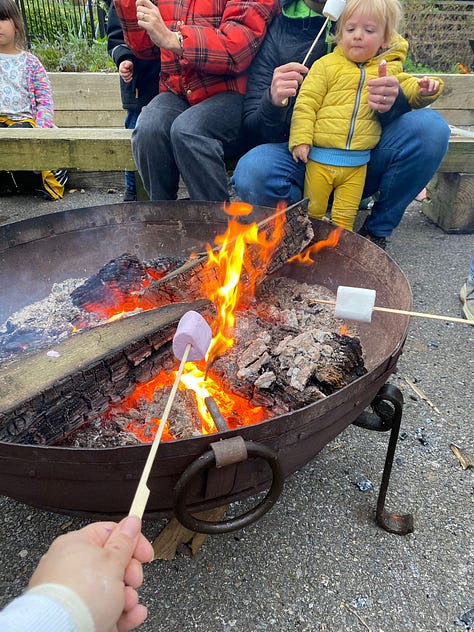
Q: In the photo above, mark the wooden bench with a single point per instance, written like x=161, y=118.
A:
x=450, y=200
x=90, y=138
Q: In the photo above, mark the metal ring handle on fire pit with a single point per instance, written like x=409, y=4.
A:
x=205, y=462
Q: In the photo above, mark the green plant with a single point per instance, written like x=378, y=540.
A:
x=417, y=69
x=438, y=33
x=71, y=53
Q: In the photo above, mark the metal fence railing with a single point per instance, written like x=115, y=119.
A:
x=53, y=18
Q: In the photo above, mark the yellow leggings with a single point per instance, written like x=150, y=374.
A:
x=348, y=185
x=8, y=122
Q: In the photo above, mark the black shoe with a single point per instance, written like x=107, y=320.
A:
x=129, y=196
x=381, y=242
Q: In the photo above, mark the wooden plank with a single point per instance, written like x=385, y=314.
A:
x=450, y=202
x=456, y=103
x=84, y=149
x=85, y=91
x=25, y=377
x=460, y=156
x=175, y=538
x=89, y=118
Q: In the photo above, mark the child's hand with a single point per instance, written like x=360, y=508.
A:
x=126, y=70
x=300, y=152
x=428, y=86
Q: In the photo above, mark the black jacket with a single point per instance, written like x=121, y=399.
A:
x=144, y=85
x=287, y=39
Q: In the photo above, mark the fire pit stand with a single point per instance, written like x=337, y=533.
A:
x=100, y=481
x=386, y=414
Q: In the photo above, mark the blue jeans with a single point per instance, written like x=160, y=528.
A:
x=173, y=139
x=130, y=122
x=408, y=154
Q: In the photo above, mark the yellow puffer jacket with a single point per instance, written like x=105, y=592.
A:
x=331, y=109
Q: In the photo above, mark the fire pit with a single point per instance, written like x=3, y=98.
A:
x=101, y=482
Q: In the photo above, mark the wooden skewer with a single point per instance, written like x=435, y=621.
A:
x=315, y=41
x=307, y=56
x=390, y=310
x=141, y=495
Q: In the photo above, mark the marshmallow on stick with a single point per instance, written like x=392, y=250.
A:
x=331, y=11
x=358, y=303
x=190, y=343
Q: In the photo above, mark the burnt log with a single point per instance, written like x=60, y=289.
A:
x=186, y=281
x=289, y=353
x=43, y=398
x=114, y=287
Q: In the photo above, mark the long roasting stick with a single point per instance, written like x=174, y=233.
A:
x=315, y=41
x=141, y=495
x=391, y=310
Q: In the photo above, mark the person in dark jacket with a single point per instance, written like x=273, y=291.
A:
x=138, y=83
x=410, y=150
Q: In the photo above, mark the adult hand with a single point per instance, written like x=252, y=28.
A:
x=383, y=90
x=300, y=152
x=286, y=81
x=126, y=70
x=149, y=18
x=428, y=86
x=102, y=563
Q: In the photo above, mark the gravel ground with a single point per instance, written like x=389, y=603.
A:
x=317, y=561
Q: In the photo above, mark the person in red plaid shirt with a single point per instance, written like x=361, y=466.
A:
x=194, y=124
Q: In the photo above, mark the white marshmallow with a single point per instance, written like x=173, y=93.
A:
x=192, y=329
x=355, y=303
x=333, y=9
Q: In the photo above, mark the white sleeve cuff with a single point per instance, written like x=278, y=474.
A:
x=70, y=601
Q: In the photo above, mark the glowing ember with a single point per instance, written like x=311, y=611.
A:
x=236, y=410
x=231, y=274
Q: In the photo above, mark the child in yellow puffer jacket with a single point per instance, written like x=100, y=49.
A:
x=333, y=127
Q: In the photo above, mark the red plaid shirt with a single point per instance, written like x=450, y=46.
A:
x=220, y=39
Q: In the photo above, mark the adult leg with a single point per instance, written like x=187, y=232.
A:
x=407, y=156
x=267, y=174
x=152, y=149
x=201, y=138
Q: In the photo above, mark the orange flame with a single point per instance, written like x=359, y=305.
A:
x=234, y=269
x=330, y=242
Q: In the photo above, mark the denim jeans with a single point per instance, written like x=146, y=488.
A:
x=173, y=139
x=130, y=122
x=408, y=154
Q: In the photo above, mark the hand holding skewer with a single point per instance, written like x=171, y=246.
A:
x=284, y=86
x=191, y=342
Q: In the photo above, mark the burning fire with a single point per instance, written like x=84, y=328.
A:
x=232, y=272
x=239, y=258
x=305, y=257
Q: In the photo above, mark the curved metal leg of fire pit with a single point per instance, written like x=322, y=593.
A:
x=387, y=409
